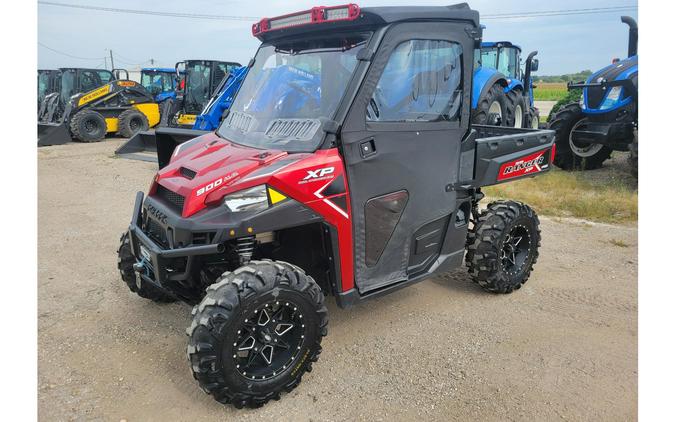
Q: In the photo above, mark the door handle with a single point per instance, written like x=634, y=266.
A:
x=367, y=148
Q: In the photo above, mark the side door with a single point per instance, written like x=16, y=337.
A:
x=401, y=143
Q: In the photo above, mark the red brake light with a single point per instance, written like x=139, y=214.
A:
x=320, y=14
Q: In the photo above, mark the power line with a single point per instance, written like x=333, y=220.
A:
x=152, y=12
x=513, y=15
x=567, y=12
x=66, y=54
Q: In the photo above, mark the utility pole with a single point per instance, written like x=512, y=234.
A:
x=105, y=62
x=152, y=62
x=112, y=63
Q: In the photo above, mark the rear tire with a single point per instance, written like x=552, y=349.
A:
x=503, y=246
x=235, y=354
x=515, y=109
x=633, y=157
x=563, y=121
x=493, y=97
x=131, y=122
x=125, y=262
x=88, y=126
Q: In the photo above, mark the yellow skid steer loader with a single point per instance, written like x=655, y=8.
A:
x=120, y=106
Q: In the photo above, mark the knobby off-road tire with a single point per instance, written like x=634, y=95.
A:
x=227, y=327
x=562, y=122
x=480, y=115
x=515, y=101
x=130, y=122
x=88, y=126
x=489, y=247
x=125, y=262
x=633, y=157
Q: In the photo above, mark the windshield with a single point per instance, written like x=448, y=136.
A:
x=289, y=90
x=197, y=86
x=504, y=59
x=67, y=85
x=43, y=84
x=157, y=82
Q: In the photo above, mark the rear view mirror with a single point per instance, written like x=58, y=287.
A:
x=535, y=65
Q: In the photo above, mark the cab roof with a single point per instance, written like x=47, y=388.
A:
x=489, y=44
x=373, y=17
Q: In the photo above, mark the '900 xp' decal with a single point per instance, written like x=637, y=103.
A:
x=533, y=163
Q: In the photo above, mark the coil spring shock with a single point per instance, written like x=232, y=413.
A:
x=245, y=249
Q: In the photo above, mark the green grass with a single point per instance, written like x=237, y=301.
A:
x=565, y=194
x=550, y=91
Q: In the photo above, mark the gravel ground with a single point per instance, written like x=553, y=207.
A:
x=563, y=347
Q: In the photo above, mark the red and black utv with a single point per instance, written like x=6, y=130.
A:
x=347, y=167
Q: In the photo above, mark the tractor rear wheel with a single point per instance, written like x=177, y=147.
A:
x=130, y=122
x=633, y=157
x=491, y=109
x=571, y=155
x=515, y=109
x=125, y=262
x=256, y=332
x=88, y=126
x=503, y=246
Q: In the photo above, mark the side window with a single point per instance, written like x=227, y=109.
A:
x=88, y=81
x=105, y=76
x=422, y=82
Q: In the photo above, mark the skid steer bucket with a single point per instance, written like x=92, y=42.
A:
x=158, y=146
x=53, y=134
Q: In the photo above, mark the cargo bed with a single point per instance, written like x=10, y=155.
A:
x=495, y=154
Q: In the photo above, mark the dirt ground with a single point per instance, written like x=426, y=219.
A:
x=563, y=347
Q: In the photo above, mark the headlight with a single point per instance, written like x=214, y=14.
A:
x=582, y=103
x=253, y=199
x=612, y=98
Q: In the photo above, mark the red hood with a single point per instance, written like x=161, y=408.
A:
x=215, y=165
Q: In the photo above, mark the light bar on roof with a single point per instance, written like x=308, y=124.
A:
x=315, y=15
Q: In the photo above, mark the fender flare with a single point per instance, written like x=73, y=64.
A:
x=483, y=79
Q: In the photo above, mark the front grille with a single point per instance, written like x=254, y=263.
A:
x=156, y=232
x=172, y=199
x=187, y=173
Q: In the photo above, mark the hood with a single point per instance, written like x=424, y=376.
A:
x=211, y=164
x=625, y=69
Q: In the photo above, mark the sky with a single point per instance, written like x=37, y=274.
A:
x=566, y=44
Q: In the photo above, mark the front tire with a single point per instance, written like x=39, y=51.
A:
x=88, y=126
x=570, y=156
x=503, y=246
x=256, y=332
x=515, y=110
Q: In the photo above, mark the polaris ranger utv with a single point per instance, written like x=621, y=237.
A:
x=331, y=189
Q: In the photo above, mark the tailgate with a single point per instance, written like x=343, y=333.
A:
x=504, y=154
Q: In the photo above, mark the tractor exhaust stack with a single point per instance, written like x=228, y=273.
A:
x=632, y=35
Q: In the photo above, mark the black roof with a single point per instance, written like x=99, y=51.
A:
x=372, y=17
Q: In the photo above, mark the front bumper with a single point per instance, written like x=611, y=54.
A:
x=615, y=134
x=151, y=259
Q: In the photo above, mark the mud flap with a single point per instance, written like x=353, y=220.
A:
x=158, y=146
x=53, y=134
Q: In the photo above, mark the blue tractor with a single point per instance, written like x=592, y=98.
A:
x=605, y=119
x=502, y=91
x=161, y=82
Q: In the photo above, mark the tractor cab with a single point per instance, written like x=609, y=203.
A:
x=200, y=82
x=502, y=56
x=161, y=82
